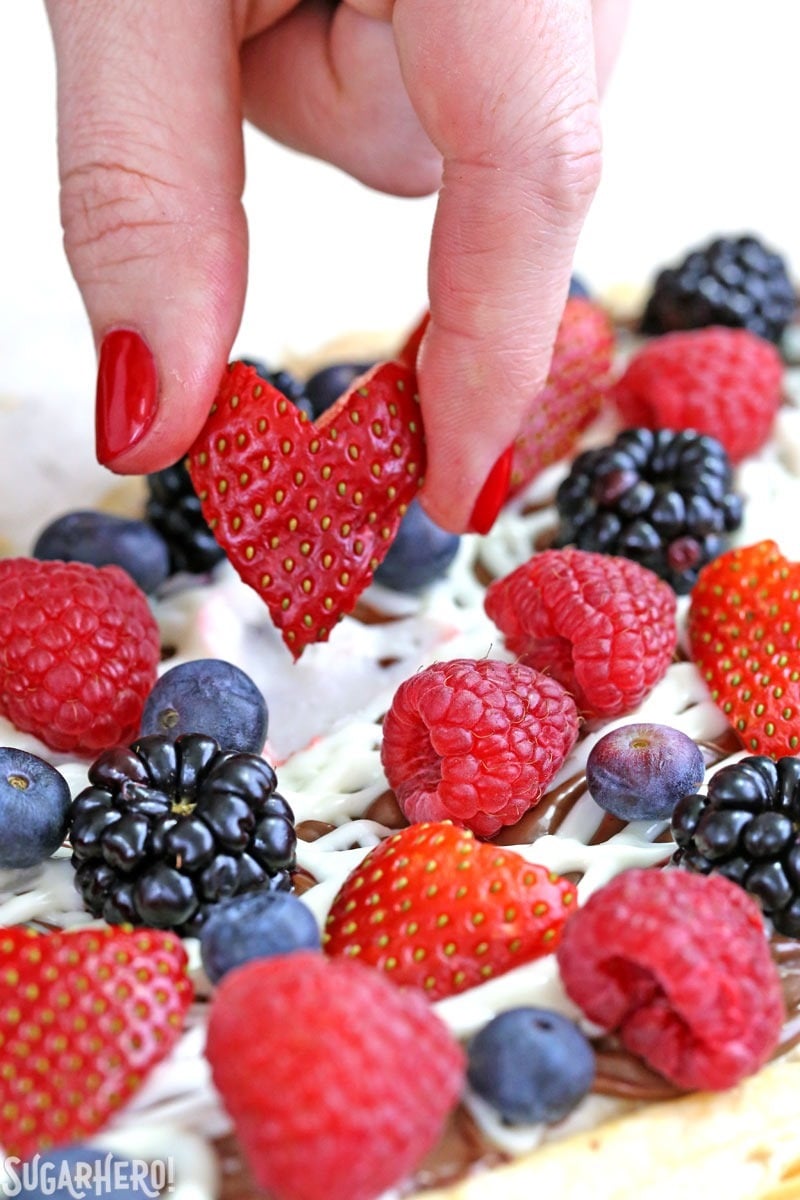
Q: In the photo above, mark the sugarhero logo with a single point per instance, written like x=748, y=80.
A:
x=86, y=1175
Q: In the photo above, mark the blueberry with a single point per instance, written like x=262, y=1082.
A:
x=34, y=803
x=640, y=772
x=326, y=386
x=255, y=925
x=103, y=540
x=420, y=553
x=578, y=288
x=530, y=1065
x=79, y=1170
x=208, y=696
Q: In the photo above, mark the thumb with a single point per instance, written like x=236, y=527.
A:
x=151, y=163
x=506, y=90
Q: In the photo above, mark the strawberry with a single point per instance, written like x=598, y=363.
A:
x=723, y=382
x=410, y=348
x=744, y=625
x=346, y=1084
x=571, y=398
x=306, y=511
x=84, y=1016
x=442, y=912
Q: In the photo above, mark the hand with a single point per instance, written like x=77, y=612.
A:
x=492, y=101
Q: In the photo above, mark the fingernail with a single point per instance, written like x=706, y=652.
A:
x=127, y=391
x=493, y=494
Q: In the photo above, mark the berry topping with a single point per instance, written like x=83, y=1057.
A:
x=104, y=540
x=747, y=828
x=421, y=553
x=347, y=1087
x=530, y=1065
x=306, y=512
x=578, y=287
x=743, y=625
x=640, y=772
x=663, y=499
x=733, y=281
x=174, y=510
x=90, y=1012
x=80, y=648
x=722, y=382
x=255, y=925
x=679, y=966
x=325, y=386
x=439, y=911
x=604, y=627
x=476, y=742
x=34, y=803
x=572, y=395
x=168, y=828
x=211, y=695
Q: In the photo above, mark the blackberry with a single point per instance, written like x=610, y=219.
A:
x=167, y=828
x=173, y=508
x=659, y=497
x=747, y=828
x=732, y=281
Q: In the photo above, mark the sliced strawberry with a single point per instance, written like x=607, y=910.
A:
x=442, y=912
x=744, y=631
x=410, y=348
x=84, y=1016
x=306, y=511
x=577, y=383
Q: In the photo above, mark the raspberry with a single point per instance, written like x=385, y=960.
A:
x=603, y=626
x=722, y=382
x=79, y=648
x=679, y=965
x=476, y=742
x=347, y=1088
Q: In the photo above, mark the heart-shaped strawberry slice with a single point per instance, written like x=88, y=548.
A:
x=306, y=511
x=744, y=631
x=84, y=1015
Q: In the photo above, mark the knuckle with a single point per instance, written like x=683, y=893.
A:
x=571, y=166
x=112, y=211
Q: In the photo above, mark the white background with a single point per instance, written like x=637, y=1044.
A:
x=701, y=137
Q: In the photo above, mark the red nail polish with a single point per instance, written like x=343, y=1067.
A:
x=127, y=391
x=493, y=494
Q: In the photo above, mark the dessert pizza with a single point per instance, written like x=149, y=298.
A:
x=345, y=858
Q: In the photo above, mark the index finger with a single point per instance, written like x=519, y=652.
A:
x=506, y=90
